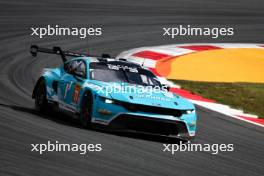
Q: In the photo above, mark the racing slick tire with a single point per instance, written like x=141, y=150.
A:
x=41, y=102
x=86, y=110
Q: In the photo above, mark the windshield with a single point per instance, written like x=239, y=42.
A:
x=107, y=72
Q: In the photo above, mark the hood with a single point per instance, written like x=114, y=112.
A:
x=142, y=95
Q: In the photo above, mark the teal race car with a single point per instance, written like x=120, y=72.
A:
x=116, y=94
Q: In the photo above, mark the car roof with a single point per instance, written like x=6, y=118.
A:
x=108, y=61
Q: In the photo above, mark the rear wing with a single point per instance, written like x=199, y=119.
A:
x=34, y=49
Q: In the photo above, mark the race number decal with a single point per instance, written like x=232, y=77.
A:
x=76, y=93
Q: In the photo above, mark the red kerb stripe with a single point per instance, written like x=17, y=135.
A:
x=200, y=47
x=150, y=55
x=256, y=120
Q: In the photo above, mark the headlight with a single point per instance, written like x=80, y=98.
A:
x=109, y=101
x=191, y=111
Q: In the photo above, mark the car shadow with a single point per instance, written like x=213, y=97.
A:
x=150, y=137
x=66, y=119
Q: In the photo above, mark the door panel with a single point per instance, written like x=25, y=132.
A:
x=66, y=88
x=70, y=87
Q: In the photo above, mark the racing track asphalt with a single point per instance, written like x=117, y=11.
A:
x=125, y=25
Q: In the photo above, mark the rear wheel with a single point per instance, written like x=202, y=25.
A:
x=86, y=110
x=41, y=102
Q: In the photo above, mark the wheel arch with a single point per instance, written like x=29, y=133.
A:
x=84, y=93
x=83, y=107
x=36, y=86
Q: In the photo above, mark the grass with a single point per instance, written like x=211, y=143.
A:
x=248, y=97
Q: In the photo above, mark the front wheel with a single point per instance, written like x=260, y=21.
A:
x=86, y=110
x=41, y=97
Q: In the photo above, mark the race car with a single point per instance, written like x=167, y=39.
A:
x=112, y=93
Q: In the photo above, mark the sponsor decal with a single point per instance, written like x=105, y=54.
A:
x=124, y=67
x=67, y=88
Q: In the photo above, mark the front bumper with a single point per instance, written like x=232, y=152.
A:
x=144, y=121
x=129, y=122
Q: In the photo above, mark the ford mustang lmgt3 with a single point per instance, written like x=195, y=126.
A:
x=117, y=94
